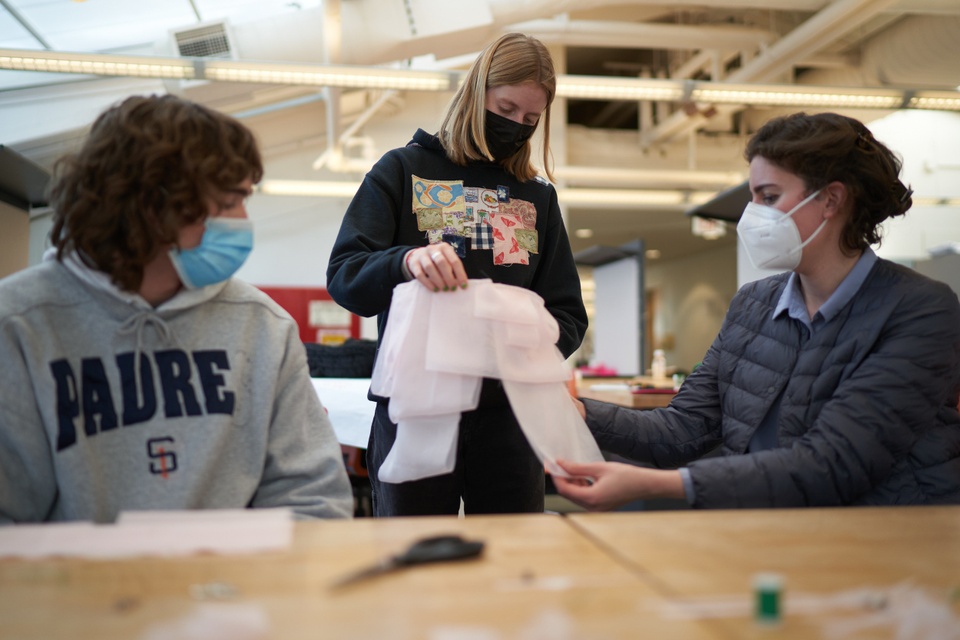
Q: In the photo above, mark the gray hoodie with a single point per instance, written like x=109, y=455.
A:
x=219, y=412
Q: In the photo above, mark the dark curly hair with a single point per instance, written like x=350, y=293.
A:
x=147, y=168
x=828, y=147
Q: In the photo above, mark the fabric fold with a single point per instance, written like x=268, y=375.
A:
x=437, y=348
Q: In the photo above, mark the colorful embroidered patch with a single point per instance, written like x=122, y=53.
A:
x=527, y=239
x=453, y=222
x=488, y=199
x=490, y=218
x=459, y=243
x=429, y=219
x=438, y=194
x=523, y=209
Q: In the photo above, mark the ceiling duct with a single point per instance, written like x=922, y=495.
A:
x=302, y=41
x=207, y=41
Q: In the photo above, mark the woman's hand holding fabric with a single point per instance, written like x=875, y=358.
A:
x=603, y=486
x=437, y=267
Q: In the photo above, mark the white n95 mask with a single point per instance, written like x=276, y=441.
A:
x=770, y=236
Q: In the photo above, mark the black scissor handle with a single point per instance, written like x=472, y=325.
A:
x=440, y=549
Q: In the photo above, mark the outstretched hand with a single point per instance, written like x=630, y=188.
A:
x=603, y=486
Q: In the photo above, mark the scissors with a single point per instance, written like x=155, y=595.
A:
x=435, y=549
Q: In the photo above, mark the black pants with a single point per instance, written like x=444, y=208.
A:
x=496, y=472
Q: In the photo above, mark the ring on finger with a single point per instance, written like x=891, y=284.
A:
x=435, y=255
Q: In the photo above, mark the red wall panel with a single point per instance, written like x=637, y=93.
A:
x=319, y=318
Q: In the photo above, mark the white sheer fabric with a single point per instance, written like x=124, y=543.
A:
x=435, y=351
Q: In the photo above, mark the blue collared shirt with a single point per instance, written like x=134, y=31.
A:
x=792, y=306
x=791, y=300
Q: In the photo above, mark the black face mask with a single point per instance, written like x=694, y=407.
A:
x=505, y=137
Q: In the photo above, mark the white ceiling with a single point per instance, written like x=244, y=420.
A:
x=121, y=25
x=909, y=44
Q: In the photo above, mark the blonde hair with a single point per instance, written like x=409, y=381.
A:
x=512, y=59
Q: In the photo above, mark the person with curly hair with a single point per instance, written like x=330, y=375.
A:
x=137, y=372
x=833, y=383
x=466, y=203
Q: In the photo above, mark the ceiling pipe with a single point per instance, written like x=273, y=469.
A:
x=23, y=22
x=332, y=158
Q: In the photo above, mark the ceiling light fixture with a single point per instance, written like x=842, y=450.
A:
x=96, y=64
x=228, y=70
x=315, y=188
x=568, y=86
x=329, y=76
x=634, y=198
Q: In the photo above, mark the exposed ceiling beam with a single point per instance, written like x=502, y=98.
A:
x=818, y=32
x=598, y=33
x=25, y=24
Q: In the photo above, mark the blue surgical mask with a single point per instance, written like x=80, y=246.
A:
x=224, y=247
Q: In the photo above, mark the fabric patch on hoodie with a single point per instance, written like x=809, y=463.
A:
x=527, y=239
x=428, y=218
x=487, y=200
x=437, y=194
x=522, y=209
x=482, y=237
x=506, y=249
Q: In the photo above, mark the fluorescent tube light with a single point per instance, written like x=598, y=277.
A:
x=329, y=76
x=96, y=64
x=640, y=198
x=798, y=96
x=316, y=188
x=614, y=88
x=568, y=86
x=935, y=100
x=228, y=70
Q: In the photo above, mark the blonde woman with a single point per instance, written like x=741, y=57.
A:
x=466, y=203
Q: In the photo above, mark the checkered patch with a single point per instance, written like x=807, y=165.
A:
x=482, y=236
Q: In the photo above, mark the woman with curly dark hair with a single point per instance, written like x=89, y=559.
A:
x=835, y=383
x=137, y=372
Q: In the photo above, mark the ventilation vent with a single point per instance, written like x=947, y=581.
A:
x=210, y=41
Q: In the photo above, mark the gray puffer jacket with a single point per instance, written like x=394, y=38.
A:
x=869, y=410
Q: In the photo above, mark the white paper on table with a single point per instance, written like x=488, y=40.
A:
x=154, y=533
x=348, y=408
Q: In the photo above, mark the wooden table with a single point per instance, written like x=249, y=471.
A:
x=709, y=559
x=617, y=391
x=581, y=576
x=538, y=575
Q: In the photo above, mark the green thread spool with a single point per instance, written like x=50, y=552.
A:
x=768, y=597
